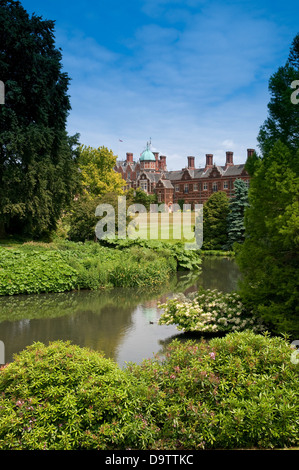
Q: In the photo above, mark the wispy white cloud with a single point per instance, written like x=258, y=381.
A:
x=193, y=77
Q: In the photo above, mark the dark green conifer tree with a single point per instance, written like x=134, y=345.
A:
x=38, y=175
x=235, y=218
x=269, y=257
x=215, y=212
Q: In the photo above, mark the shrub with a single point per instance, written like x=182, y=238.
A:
x=209, y=311
x=240, y=391
x=36, y=268
x=63, y=397
x=185, y=259
x=34, y=272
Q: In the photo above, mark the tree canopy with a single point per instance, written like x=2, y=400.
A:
x=269, y=256
x=282, y=122
x=38, y=175
x=97, y=172
x=235, y=218
x=215, y=212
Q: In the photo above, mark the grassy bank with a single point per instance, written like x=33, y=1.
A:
x=36, y=267
x=240, y=391
x=32, y=268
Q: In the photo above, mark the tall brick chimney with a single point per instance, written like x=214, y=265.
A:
x=156, y=154
x=209, y=160
x=229, y=159
x=129, y=157
x=250, y=152
x=191, y=163
x=162, y=163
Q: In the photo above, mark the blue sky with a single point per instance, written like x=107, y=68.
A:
x=192, y=75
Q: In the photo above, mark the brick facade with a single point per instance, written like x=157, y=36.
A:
x=190, y=184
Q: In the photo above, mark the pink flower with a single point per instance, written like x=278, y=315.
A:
x=212, y=355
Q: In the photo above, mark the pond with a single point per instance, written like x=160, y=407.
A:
x=122, y=323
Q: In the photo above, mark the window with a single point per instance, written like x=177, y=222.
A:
x=205, y=186
x=225, y=184
x=186, y=188
x=215, y=187
x=195, y=187
x=143, y=185
x=177, y=188
x=159, y=197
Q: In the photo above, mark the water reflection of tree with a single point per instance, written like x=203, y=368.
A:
x=69, y=303
x=220, y=273
x=95, y=319
x=98, y=319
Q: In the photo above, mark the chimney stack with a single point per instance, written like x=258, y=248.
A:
x=162, y=163
x=191, y=163
x=209, y=160
x=229, y=158
x=129, y=157
x=250, y=152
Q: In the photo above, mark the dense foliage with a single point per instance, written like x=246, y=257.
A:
x=235, y=218
x=35, y=268
x=269, y=257
x=80, y=222
x=209, y=311
x=215, y=212
x=97, y=172
x=282, y=122
x=240, y=391
x=38, y=175
x=185, y=259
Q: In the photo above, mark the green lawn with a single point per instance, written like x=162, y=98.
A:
x=164, y=226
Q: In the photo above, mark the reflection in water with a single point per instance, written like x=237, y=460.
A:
x=120, y=322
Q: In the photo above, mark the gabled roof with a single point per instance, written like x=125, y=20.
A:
x=166, y=183
x=174, y=175
x=234, y=170
x=153, y=177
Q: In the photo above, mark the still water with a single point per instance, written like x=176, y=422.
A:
x=122, y=323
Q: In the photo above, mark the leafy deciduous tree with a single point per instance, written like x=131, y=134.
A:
x=97, y=172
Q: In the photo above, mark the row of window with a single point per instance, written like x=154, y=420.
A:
x=188, y=187
x=215, y=187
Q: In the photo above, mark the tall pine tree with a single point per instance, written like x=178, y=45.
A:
x=38, y=175
x=235, y=218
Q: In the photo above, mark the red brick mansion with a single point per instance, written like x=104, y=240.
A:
x=190, y=184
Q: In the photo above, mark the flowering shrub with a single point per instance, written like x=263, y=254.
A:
x=240, y=391
x=63, y=397
x=208, y=311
